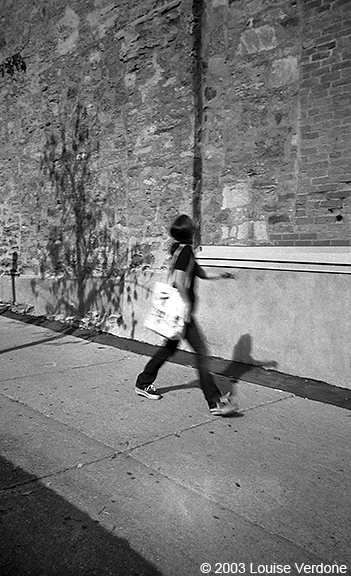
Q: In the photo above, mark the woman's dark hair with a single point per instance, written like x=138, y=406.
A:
x=183, y=229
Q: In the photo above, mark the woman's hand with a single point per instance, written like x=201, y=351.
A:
x=227, y=275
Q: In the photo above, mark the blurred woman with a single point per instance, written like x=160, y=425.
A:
x=184, y=271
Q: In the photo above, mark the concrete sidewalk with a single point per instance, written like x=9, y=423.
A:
x=96, y=480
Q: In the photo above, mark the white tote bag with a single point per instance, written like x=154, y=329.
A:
x=167, y=314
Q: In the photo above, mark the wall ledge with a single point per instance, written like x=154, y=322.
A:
x=326, y=259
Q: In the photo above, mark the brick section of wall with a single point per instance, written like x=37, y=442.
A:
x=96, y=153
x=276, y=145
x=323, y=206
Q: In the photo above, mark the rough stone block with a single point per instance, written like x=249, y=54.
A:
x=244, y=231
x=284, y=71
x=260, y=231
x=258, y=39
x=236, y=195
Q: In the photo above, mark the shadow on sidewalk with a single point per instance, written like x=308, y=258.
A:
x=241, y=367
x=30, y=344
x=43, y=534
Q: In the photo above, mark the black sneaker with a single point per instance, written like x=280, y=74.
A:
x=149, y=392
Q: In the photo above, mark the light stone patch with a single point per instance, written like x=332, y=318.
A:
x=237, y=195
x=225, y=232
x=260, y=230
x=257, y=40
x=68, y=31
x=244, y=230
x=130, y=80
x=228, y=232
x=284, y=71
x=95, y=56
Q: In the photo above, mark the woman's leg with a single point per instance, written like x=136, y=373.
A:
x=208, y=386
x=149, y=374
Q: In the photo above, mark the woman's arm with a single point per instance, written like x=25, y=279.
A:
x=200, y=273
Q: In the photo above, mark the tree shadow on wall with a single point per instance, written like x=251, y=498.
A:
x=42, y=533
x=90, y=266
x=197, y=77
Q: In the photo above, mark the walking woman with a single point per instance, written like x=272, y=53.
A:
x=185, y=270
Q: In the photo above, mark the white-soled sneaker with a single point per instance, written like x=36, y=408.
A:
x=149, y=392
x=226, y=406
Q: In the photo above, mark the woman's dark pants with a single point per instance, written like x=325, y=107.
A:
x=195, y=339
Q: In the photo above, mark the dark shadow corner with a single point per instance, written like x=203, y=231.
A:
x=41, y=533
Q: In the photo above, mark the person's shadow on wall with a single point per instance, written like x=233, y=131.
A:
x=243, y=359
x=242, y=363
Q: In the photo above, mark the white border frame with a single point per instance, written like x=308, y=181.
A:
x=327, y=259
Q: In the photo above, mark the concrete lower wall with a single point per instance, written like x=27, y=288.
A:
x=296, y=323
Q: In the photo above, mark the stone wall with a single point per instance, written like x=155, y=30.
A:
x=131, y=112
x=277, y=122
x=97, y=135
